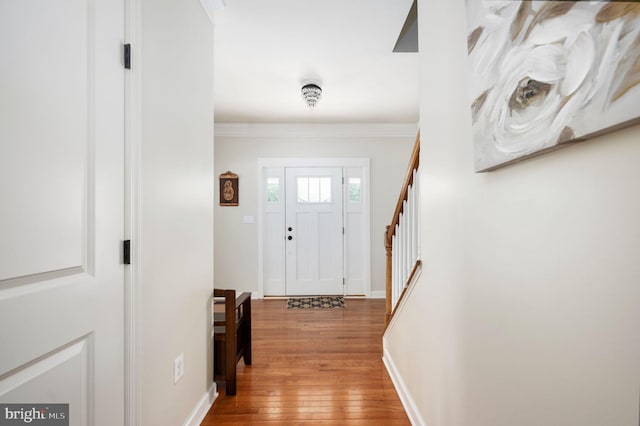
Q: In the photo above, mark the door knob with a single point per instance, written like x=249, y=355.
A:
x=289, y=229
x=289, y=238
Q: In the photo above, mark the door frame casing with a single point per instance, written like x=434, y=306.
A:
x=363, y=163
x=132, y=194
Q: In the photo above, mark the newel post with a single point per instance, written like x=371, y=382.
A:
x=388, y=248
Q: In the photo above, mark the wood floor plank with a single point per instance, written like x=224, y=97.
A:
x=313, y=366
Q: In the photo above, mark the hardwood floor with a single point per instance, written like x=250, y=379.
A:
x=313, y=366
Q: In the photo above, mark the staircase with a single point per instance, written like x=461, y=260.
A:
x=402, y=237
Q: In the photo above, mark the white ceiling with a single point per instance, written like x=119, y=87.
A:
x=266, y=50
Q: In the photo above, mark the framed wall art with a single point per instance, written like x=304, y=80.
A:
x=545, y=74
x=229, y=189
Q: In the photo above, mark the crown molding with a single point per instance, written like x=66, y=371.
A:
x=270, y=130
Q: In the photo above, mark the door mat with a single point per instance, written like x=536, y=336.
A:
x=321, y=302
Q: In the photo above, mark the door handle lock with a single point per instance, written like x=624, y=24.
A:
x=289, y=229
x=289, y=238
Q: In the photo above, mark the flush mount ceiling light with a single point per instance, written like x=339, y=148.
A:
x=311, y=94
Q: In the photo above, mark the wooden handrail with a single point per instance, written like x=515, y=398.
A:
x=414, y=162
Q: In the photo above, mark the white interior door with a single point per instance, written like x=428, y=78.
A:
x=314, y=231
x=61, y=206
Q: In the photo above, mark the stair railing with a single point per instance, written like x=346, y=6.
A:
x=402, y=236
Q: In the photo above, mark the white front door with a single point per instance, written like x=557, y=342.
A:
x=62, y=207
x=314, y=231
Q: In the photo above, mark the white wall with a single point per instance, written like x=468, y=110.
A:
x=176, y=217
x=528, y=309
x=238, y=149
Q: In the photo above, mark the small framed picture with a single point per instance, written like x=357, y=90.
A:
x=229, y=189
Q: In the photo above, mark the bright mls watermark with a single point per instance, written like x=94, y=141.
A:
x=34, y=414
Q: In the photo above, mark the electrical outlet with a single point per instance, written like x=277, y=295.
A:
x=178, y=368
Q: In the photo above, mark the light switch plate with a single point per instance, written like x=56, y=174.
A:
x=248, y=219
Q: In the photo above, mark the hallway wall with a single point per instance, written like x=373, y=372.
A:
x=176, y=224
x=238, y=148
x=528, y=308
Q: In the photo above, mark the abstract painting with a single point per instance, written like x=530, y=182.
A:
x=545, y=74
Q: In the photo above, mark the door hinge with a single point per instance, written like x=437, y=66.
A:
x=343, y=230
x=127, y=56
x=343, y=281
x=126, y=252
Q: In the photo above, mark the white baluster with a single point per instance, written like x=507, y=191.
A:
x=414, y=214
x=409, y=229
x=416, y=184
x=407, y=242
x=394, y=258
x=396, y=264
x=403, y=245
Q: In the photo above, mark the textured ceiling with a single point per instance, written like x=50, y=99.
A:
x=266, y=50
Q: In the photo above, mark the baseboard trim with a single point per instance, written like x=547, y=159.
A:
x=378, y=294
x=405, y=397
x=202, y=408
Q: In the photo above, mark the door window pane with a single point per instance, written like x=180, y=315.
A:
x=273, y=190
x=325, y=190
x=354, y=190
x=312, y=189
x=303, y=189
